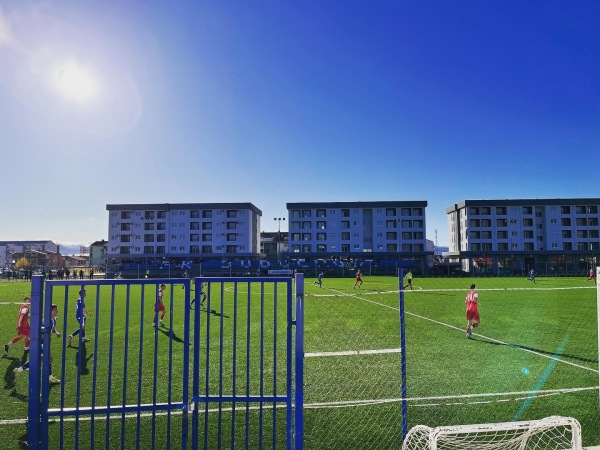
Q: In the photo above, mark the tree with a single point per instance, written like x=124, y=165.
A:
x=22, y=264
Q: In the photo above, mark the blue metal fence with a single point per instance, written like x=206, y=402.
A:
x=228, y=357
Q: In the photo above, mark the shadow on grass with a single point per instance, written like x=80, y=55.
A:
x=539, y=350
x=82, y=358
x=171, y=334
x=9, y=375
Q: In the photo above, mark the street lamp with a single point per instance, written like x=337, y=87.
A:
x=278, y=219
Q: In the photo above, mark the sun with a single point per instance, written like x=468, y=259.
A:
x=76, y=83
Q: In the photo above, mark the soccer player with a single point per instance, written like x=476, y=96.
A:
x=22, y=326
x=408, y=277
x=319, y=280
x=472, y=302
x=358, y=279
x=531, y=275
x=80, y=314
x=53, y=320
x=159, y=306
x=592, y=275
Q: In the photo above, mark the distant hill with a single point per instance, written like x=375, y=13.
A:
x=71, y=249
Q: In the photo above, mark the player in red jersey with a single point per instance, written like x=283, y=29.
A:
x=159, y=306
x=358, y=279
x=592, y=275
x=22, y=326
x=472, y=302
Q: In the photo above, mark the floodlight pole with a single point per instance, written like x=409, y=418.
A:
x=278, y=219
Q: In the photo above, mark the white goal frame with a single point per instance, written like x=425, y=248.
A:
x=498, y=436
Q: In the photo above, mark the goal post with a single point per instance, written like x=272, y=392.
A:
x=554, y=432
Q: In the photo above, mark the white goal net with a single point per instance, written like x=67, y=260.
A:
x=551, y=433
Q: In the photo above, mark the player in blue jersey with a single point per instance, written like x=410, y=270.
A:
x=53, y=320
x=319, y=280
x=80, y=314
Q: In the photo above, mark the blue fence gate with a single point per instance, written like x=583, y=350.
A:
x=219, y=367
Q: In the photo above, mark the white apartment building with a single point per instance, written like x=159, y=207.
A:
x=186, y=230
x=514, y=236
x=383, y=229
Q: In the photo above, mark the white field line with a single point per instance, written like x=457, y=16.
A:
x=420, y=289
x=441, y=401
x=354, y=352
x=553, y=358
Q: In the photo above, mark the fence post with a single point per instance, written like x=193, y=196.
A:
x=34, y=405
x=403, y=353
x=299, y=379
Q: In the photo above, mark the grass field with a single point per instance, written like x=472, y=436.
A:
x=534, y=355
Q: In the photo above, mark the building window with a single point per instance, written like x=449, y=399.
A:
x=527, y=222
x=125, y=215
x=306, y=236
x=565, y=210
x=580, y=222
x=345, y=236
x=295, y=236
x=502, y=234
x=194, y=238
x=321, y=225
x=406, y=212
x=207, y=238
x=306, y=213
x=162, y=214
x=407, y=248
x=194, y=225
x=195, y=214
x=417, y=212
x=231, y=249
x=593, y=222
x=306, y=248
x=160, y=250
x=321, y=213
x=345, y=224
x=500, y=210
x=501, y=222
x=582, y=234
x=345, y=213
x=527, y=210
x=345, y=248
x=566, y=222
x=306, y=225
x=295, y=213
x=207, y=225
x=321, y=236
x=528, y=246
x=473, y=211
x=567, y=246
x=486, y=223
x=502, y=246
x=148, y=238
x=406, y=235
x=206, y=249
x=485, y=211
x=161, y=238
x=207, y=214
x=126, y=227
x=391, y=236
x=149, y=226
x=231, y=225
x=474, y=223
x=321, y=248
x=392, y=248
x=580, y=209
x=592, y=209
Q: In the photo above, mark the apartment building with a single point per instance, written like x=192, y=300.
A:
x=380, y=229
x=515, y=236
x=183, y=231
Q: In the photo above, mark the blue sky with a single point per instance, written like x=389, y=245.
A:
x=272, y=102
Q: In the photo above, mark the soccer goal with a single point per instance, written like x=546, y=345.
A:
x=550, y=433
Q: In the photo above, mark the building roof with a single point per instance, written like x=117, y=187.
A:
x=179, y=206
x=381, y=204
x=524, y=202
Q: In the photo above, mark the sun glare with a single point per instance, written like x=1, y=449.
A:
x=76, y=83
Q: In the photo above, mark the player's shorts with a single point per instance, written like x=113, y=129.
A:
x=358, y=279
x=473, y=315
x=24, y=329
x=81, y=320
x=161, y=307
